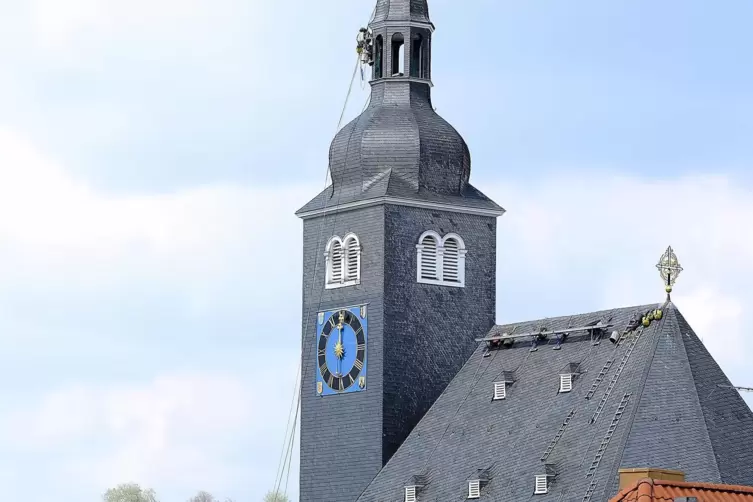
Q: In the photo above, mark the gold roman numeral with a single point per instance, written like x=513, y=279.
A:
x=358, y=364
x=361, y=346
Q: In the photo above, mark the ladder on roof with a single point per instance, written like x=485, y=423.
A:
x=608, y=436
x=616, y=376
x=603, y=447
x=599, y=379
x=590, y=491
x=558, y=435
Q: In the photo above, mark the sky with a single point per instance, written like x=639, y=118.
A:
x=152, y=154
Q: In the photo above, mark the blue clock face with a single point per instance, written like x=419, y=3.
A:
x=341, y=351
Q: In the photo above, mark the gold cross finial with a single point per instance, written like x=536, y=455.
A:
x=669, y=268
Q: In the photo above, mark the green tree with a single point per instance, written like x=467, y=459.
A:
x=129, y=492
x=203, y=496
x=276, y=497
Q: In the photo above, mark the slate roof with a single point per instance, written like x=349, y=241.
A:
x=676, y=416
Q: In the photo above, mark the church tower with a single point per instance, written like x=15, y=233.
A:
x=399, y=267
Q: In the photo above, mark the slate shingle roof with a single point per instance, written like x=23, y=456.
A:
x=676, y=416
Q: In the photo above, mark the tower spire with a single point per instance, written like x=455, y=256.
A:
x=400, y=33
x=401, y=10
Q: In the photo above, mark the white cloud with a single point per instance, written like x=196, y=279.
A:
x=153, y=433
x=58, y=227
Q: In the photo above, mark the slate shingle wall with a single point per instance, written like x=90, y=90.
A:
x=430, y=329
x=341, y=435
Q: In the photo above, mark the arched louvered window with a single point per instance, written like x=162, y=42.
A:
x=450, y=260
x=352, y=259
x=343, y=261
x=441, y=260
x=428, y=261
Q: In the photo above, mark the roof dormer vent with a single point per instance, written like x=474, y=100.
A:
x=543, y=480
x=478, y=482
x=414, y=487
x=506, y=378
x=566, y=376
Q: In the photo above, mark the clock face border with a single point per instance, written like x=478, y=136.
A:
x=322, y=320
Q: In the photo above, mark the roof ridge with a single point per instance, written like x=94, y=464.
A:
x=704, y=486
x=622, y=443
x=586, y=313
x=675, y=314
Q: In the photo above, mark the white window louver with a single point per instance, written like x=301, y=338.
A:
x=429, y=261
x=336, y=263
x=542, y=486
x=352, y=264
x=474, y=489
x=450, y=261
x=499, y=390
x=410, y=494
x=566, y=382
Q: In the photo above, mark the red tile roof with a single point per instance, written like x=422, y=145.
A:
x=646, y=490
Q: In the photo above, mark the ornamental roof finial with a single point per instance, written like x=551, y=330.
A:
x=669, y=268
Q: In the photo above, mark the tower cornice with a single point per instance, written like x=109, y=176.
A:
x=400, y=24
x=401, y=201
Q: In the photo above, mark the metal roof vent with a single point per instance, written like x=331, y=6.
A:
x=566, y=376
x=499, y=390
x=410, y=493
x=413, y=488
x=474, y=489
x=542, y=480
x=542, y=484
x=566, y=382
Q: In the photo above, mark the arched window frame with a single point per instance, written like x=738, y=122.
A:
x=417, y=56
x=350, y=269
x=397, y=55
x=440, y=262
x=378, y=57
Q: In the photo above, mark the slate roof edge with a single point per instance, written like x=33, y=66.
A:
x=636, y=402
x=695, y=389
x=678, y=328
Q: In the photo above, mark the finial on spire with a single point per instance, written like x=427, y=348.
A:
x=669, y=268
